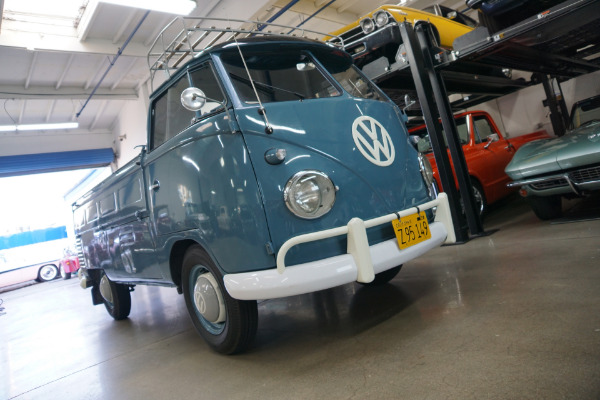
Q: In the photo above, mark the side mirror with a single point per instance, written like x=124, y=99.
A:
x=491, y=139
x=193, y=99
x=408, y=102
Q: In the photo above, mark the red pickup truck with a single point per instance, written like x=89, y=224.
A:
x=487, y=152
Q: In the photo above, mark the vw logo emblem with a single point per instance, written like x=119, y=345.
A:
x=373, y=141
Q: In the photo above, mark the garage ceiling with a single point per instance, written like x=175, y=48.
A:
x=52, y=64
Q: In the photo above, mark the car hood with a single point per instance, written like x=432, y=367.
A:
x=576, y=148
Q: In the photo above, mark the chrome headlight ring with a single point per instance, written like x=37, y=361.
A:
x=309, y=194
x=427, y=173
x=381, y=18
x=367, y=25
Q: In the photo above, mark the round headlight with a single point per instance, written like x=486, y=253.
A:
x=381, y=18
x=367, y=25
x=427, y=173
x=309, y=194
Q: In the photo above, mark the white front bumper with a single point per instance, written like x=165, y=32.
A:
x=361, y=263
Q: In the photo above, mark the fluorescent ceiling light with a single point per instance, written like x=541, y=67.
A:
x=180, y=7
x=8, y=128
x=39, y=127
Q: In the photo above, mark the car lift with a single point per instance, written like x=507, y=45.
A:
x=562, y=42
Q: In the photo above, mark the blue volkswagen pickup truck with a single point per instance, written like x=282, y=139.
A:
x=273, y=168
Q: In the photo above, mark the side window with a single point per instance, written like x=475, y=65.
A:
x=482, y=128
x=205, y=80
x=169, y=116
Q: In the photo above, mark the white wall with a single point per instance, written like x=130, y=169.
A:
x=523, y=112
x=131, y=128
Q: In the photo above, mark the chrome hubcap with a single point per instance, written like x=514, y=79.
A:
x=48, y=272
x=208, y=299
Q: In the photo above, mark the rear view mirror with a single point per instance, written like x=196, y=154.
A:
x=305, y=66
x=452, y=15
x=193, y=99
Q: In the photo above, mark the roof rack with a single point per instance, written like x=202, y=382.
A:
x=186, y=37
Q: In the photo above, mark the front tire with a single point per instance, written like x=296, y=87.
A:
x=63, y=274
x=479, y=198
x=116, y=298
x=226, y=324
x=47, y=273
x=546, y=208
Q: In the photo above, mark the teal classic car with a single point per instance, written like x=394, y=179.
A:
x=566, y=166
x=273, y=168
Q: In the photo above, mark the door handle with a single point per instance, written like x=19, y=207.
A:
x=155, y=186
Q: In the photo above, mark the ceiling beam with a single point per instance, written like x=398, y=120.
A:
x=87, y=19
x=159, y=27
x=69, y=44
x=346, y=5
x=22, y=110
x=305, y=8
x=124, y=26
x=65, y=70
x=30, y=72
x=64, y=93
x=98, y=114
x=100, y=67
x=124, y=73
x=50, y=109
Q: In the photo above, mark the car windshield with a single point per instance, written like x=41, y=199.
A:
x=585, y=112
x=294, y=76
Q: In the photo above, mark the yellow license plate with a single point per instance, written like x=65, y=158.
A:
x=411, y=230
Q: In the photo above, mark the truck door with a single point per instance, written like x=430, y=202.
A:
x=497, y=156
x=199, y=180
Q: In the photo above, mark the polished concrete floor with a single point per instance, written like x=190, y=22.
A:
x=513, y=315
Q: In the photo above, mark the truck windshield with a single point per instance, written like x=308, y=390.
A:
x=283, y=76
x=293, y=76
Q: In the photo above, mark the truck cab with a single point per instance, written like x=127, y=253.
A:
x=273, y=168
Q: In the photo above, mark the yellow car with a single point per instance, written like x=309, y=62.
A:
x=379, y=31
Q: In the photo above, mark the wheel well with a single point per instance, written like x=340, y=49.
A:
x=176, y=260
x=474, y=180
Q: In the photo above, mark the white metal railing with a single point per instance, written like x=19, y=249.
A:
x=358, y=245
x=187, y=37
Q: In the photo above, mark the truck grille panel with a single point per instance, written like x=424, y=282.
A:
x=586, y=175
x=550, y=184
x=352, y=35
